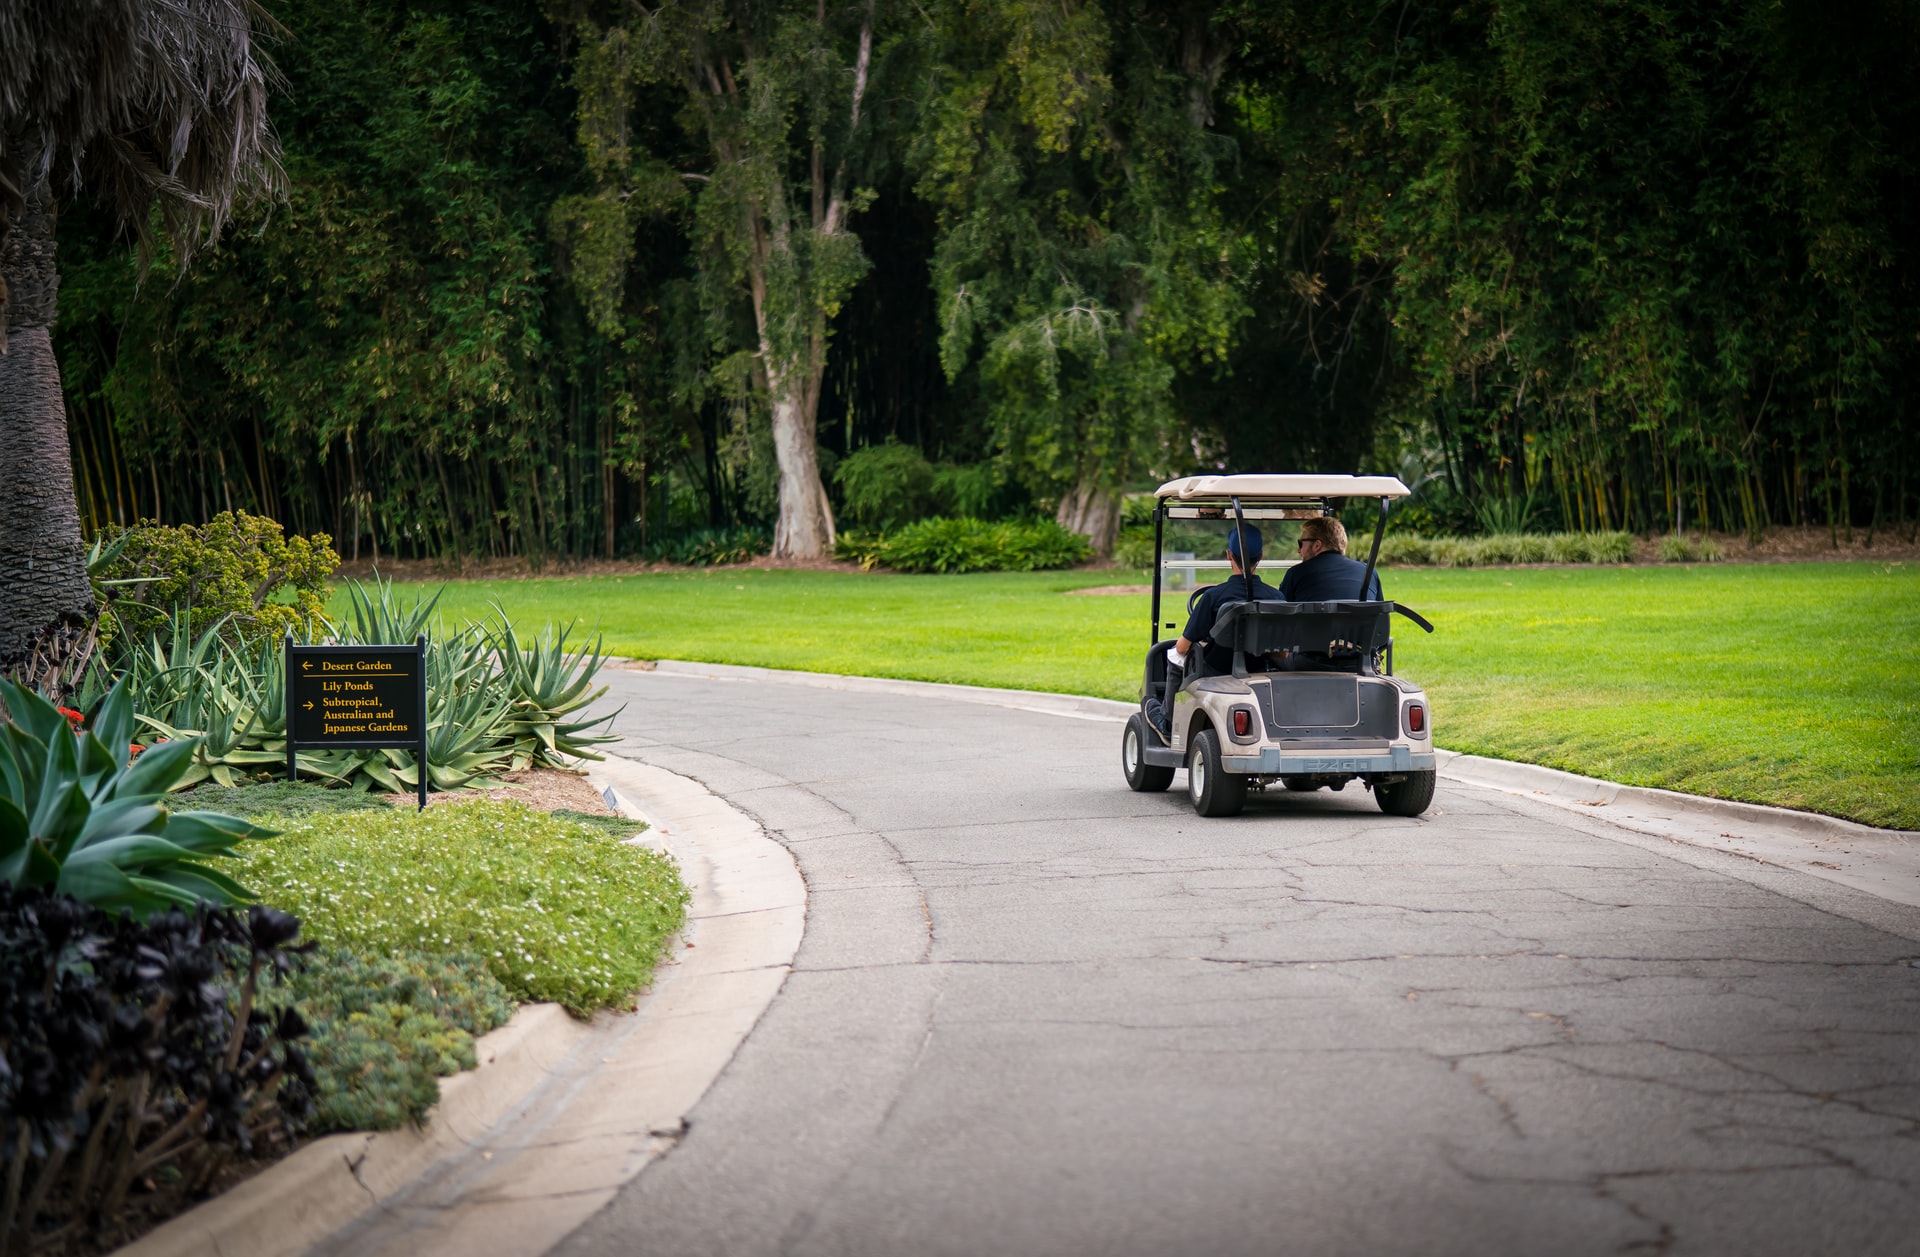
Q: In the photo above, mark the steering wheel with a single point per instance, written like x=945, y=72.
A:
x=1195, y=597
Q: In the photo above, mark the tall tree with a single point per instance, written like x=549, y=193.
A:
x=774, y=99
x=1082, y=261
x=155, y=108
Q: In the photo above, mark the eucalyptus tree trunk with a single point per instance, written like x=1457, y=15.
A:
x=46, y=603
x=1092, y=512
x=799, y=267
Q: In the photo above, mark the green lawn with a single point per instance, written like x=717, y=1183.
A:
x=1795, y=684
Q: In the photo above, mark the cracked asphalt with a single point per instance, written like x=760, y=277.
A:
x=1034, y=1013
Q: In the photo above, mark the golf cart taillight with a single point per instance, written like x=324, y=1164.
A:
x=1242, y=722
x=1416, y=718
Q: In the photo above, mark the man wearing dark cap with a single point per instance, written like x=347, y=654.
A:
x=1242, y=586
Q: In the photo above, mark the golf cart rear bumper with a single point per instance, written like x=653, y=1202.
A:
x=1272, y=760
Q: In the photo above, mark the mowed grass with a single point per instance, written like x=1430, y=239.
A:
x=1792, y=684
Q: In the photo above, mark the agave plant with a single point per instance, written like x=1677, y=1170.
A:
x=223, y=706
x=377, y=617
x=548, y=684
x=80, y=813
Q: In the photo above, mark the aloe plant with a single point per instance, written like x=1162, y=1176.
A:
x=81, y=814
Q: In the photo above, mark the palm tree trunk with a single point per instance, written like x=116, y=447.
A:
x=46, y=603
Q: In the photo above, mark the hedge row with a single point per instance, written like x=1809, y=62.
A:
x=1412, y=550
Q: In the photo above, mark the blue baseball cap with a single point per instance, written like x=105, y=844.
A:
x=1256, y=544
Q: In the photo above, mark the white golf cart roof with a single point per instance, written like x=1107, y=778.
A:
x=1285, y=488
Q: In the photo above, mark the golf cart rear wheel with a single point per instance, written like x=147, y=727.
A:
x=1214, y=790
x=1141, y=775
x=1406, y=798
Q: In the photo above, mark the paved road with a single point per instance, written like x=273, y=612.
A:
x=1036, y=1014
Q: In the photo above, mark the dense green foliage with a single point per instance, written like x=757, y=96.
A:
x=1790, y=683
x=968, y=545
x=1645, y=266
x=238, y=569
x=555, y=911
x=386, y=1028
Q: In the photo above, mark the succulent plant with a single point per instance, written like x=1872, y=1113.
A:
x=81, y=813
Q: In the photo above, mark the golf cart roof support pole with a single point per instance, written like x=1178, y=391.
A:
x=1159, y=523
x=1240, y=545
x=1373, y=557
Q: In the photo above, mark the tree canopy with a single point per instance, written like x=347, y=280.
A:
x=555, y=277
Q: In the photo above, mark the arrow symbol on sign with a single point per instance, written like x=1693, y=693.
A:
x=309, y=706
x=306, y=665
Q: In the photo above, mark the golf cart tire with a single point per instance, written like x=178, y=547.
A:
x=1406, y=798
x=1303, y=784
x=1141, y=776
x=1214, y=790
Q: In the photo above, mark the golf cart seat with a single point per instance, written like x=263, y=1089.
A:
x=1336, y=636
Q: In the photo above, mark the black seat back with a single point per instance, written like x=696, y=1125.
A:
x=1337, y=630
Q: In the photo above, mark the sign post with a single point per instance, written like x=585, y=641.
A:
x=357, y=697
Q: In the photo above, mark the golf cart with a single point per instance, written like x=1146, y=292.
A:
x=1311, y=699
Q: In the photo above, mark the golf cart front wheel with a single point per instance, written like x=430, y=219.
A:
x=1141, y=776
x=1406, y=798
x=1214, y=790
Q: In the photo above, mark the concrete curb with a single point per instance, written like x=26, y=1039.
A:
x=561, y=1113
x=1882, y=862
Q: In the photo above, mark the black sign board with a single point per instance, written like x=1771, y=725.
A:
x=358, y=696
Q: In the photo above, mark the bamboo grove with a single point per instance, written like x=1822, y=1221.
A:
x=1642, y=264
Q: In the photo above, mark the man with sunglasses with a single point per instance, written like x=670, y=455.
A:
x=1325, y=573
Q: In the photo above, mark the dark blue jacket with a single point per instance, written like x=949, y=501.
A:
x=1207, y=610
x=1328, y=576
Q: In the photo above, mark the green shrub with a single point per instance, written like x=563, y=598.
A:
x=556, y=911
x=1134, y=547
x=1568, y=547
x=238, y=571
x=385, y=1028
x=971, y=545
x=967, y=490
x=1609, y=547
x=885, y=485
x=1680, y=548
x=711, y=547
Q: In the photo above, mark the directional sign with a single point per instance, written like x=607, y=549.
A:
x=357, y=696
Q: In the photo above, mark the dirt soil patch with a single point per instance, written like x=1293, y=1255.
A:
x=544, y=789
